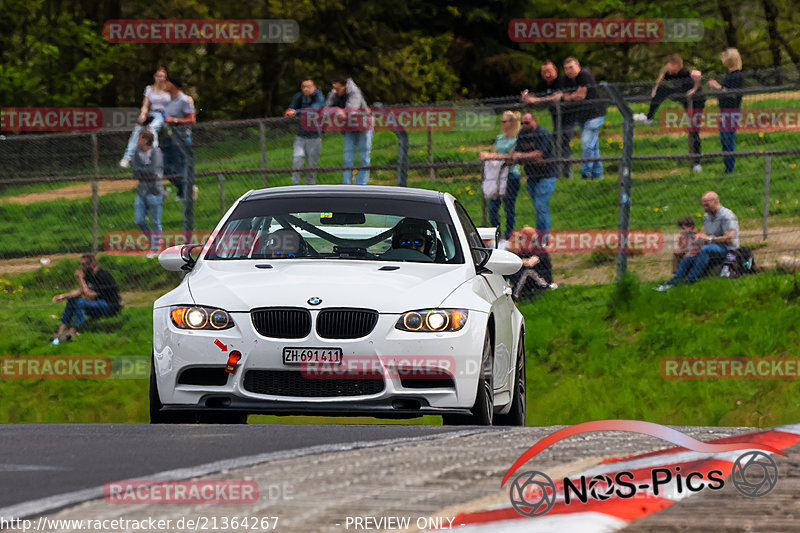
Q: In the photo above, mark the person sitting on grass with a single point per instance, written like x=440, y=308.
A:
x=688, y=244
x=721, y=235
x=97, y=296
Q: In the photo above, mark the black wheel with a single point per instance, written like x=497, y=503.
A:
x=483, y=408
x=157, y=416
x=516, y=415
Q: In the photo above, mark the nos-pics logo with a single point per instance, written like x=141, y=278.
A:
x=533, y=493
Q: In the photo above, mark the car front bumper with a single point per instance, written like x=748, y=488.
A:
x=397, y=354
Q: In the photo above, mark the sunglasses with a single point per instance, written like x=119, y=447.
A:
x=527, y=122
x=411, y=243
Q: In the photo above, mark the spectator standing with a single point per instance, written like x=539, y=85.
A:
x=180, y=113
x=97, y=295
x=151, y=115
x=346, y=95
x=503, y=145
x=721, y=235
x=148, y=168
x=730, y=105
x=308, y=142
x=534, y=148
x=581, y=86
x=550, y=89
x=684, y=88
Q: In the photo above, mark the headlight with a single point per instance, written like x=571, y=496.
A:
x=433, y=320
x=185, y=317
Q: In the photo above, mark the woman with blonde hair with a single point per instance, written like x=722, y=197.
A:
x=151, y=115
x=503, y=145
x=730, y=105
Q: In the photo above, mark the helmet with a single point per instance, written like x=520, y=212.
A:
x=409, y=230
x=285, y=243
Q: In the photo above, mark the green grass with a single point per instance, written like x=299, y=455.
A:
x=593, y=352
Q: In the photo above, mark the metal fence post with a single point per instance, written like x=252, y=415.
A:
x=221, y=195
x=624, y=205
x=402, y=158
x=432, y=172
x=185, y=147
x=767, y=172
x=262, y=132
x=95, y=192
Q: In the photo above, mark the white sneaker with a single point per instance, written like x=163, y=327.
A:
x=553, y=286
x=641, y=117
x=697, y=168
x=151, y=255
x=664, y=287
x=125, y=162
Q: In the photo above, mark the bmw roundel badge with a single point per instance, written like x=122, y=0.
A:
x=314, y=300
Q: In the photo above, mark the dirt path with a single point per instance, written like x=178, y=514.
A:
x=71, y=192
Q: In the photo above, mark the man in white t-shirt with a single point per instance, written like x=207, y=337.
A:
x=179, y=112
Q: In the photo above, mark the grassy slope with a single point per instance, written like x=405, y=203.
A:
x=588, y=358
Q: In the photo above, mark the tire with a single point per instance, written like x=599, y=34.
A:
x=483, y=408
x=516, y=415
x=157, y=416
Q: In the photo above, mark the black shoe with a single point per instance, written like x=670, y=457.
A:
x=585, y=177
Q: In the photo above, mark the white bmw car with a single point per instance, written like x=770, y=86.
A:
x=340, y=300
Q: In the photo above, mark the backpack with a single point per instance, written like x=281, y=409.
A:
x=738, y=263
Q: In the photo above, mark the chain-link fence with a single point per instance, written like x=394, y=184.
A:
x=66, y=193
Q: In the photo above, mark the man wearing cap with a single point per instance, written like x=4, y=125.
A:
x=179, y=113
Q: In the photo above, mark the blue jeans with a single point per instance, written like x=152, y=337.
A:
x=693, y=266
x=509, y=202
x=590, y=143
x=361, y=141
x=77, y=308
x=154, y=126
x=540, y=193
x=174, y=162
x=150, y=203
x=729, y=121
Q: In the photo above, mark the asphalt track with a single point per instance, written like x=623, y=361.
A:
x=40, y=461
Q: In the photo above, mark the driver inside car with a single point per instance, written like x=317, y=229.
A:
x=414, y=234
x=285, y=243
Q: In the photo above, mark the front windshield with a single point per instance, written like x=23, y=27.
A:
x=338, y=228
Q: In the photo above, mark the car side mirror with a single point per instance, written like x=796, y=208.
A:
x=177, y=258
x=500, y=262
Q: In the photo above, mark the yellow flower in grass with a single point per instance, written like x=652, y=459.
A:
x=760, y=133
x=792, y=165
x=655, y=209
x=462, y=148
x=699, y=215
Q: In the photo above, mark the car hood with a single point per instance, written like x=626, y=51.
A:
x=241, y=285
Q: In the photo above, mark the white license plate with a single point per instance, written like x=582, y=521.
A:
x=299, y=356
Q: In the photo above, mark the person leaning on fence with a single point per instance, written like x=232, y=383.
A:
x=549, y=90
x=730, y=105
x=684, y=88
x=308, y=142
x=97, y=295
x=688, y=243
x=180, y=114
x=494, y=167
x=534, y=148
x=151, y=115
x=346, y=95
x=721, y=236
x=580, y=88
x=148, y=168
